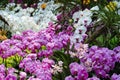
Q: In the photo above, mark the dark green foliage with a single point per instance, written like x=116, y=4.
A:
x=106, y=32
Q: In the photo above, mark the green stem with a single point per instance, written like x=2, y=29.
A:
x=5, y=63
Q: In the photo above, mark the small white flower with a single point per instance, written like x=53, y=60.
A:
x=60, y=63
x=83, y=19
x=87, y=13
x=77, y=15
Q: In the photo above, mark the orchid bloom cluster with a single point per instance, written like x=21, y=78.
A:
x=20, y=19
x=44, y=15
x=30, y=64
x=7, y=74
x=43, y=43
x=99, y=60
x=115, y=77
x=79, y=51
x=81, y=20
x=42, y=70
x=78, y=71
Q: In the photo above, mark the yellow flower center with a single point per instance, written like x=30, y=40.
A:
x=43, y=6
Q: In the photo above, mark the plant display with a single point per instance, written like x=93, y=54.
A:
x=60, y=40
